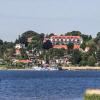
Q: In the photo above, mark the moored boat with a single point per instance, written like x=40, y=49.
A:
x=36, y=68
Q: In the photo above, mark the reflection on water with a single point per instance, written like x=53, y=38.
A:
x=56, y=85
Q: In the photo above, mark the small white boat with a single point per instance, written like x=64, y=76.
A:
x=53, y=68
x=36, y=68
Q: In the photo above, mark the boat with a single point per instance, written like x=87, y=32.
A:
x=36, y=68
x=53, y=68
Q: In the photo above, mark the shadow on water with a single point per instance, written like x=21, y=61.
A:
x=48, y=74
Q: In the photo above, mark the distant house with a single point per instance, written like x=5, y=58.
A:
x=18, y=48
x=87, y=49
x=62, y=41
x=25, y=61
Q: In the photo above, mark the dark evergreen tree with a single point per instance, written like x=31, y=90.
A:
x=47, y=45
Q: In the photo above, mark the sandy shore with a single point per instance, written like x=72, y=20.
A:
x=81, y=68
x=93, y=91
x=63, y=68
x=4, y=68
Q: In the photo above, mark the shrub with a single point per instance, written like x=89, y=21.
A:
x=91, y=61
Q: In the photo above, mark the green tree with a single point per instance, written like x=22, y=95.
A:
x=47, y=45
x=1, y=42
x=73, y=33
x=83, y=45
x=98, y=57
x=84, y=59
x=92, y=47
x=76, y=56
x=24, y=36
x=97, y=40
x=91, y=61
x=70, y=47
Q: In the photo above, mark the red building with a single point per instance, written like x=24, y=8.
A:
x=62, y=41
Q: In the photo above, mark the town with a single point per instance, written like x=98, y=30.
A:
x=33, y=49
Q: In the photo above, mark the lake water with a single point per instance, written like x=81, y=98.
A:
x=53, y=85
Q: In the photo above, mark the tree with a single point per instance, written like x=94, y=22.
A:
x=83, y=63
x=23, y=54
x=23, y=38
x=91, y=61
x=97, y=40
x=42, y=36
x=36, y=42
x=73, y=33
x=98, y=57
x=51, y=34
x=86, y=38
x=70, y=47
x=56, y=53
x=76, y=56
x=1, y=42
x=84, y=58
x=47, y=45
x=83, y=45
x=92, y=47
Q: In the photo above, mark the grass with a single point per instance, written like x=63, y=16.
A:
x=92, y=97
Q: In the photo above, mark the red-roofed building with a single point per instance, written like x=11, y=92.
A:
x=25, y=61
x=62, y=41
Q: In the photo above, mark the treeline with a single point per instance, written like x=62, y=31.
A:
x=45, y=50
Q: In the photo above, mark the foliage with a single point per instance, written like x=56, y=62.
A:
x=86, y=38
x=98, y=57
x=23, y=54
x=70, y=47
x=81, y=58
x=47, y=45
x=76, y=56
x=6, y=49
x=51, y=34
x=56, y=53
x=23, y=38
x=92, y=97
x=97, y=40
x=83, y=45
x=91, y=61
x=73, y=33
x=83, y=63
x=92, y=45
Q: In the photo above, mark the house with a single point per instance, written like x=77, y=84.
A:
x=62, y=41
x=18, y=48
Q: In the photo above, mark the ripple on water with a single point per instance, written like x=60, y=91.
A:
x=30, y=85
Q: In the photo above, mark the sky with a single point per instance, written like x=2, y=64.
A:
x=48, y=16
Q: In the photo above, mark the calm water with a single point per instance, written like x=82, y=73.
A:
x=57, y=85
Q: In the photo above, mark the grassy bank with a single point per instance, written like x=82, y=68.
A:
x=92, y=97
x=92, y=94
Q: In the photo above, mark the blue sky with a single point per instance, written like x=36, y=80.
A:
x=47, y=16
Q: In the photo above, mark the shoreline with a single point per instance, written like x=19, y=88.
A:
x=63, y=68
x=81, y=68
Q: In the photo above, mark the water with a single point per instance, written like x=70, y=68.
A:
x=54, y=85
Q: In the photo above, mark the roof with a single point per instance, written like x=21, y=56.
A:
x=65, y=37
x=25, y=61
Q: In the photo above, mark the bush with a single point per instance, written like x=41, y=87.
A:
x=83, y=63
x=91, y=61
